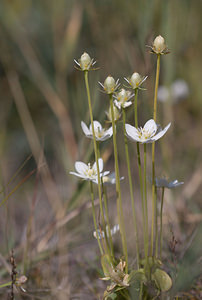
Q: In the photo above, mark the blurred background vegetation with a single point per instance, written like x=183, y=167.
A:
x=46, y=219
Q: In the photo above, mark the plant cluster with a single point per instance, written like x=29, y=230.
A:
x=149, y=279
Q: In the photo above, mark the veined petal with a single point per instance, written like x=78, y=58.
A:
x=85, y=129
x=151, y=127
x=78, y=175
x=161, y=133
x=132, y=133
x=80, y=167
x=100, y=163
x=126, y=104
x=97, y=126
x=109, y=132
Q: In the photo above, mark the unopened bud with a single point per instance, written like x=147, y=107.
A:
x=109, y=85
x=159, y=44
x=85, y=61
x=116, y=113
x=135, y=80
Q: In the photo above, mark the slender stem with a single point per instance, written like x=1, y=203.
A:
x=161, y=223
x=154, y=202
x=106, y=231
x=95, y=147
x=131, y=188
x=118, y=187
x=94, y=217
x=145, y=196
x=140, y=170
x=156, y=85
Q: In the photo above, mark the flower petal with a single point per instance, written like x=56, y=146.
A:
x=100, y=163
x=160, y=134
x=85, y=129
x=151, y=127
x=132, y=133
x=81, y=167
x=97, y=126
x=78, y=175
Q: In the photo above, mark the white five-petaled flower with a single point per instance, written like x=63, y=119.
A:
x=122, y=99
x=151, y=132
x=136, y=80
x=86, y=172
x=164, y=183
x=85, y=62
x=101, y=134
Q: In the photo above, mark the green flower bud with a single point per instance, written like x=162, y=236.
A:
x=85, y=61
x=110, y=85
x=135, y=80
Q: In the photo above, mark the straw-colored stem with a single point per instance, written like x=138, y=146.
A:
x=95, y=148
x=161, y=223
x=118, y=187
x=154, y=202
x=131, y=188
x=145, y=202
x=94, y=217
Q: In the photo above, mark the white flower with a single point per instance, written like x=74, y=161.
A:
x=163, y=183
x=85, y=62
x=136, y=80
x=151, y=132
x=177, y=92
x=122, y=99
x=101, y=233
x=109, y=179
x=110, y=85
x=87, y=172
x=101, y=134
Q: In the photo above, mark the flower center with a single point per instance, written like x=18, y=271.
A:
x=90, y=172
x=99, y=132
x=144, y=134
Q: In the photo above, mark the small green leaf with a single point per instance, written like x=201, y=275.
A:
x=162, y=280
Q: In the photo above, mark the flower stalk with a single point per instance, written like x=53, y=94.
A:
x=94, y=217
x=118, y=188
x=95, y=149
x=154, y=197
x=131, y=188
x=161, y=222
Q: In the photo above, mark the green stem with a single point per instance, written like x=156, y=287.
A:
x=154, y=202
x=146, y=206
x=5, y=284
x=108, y=241
x=95, y=147
x=140, y=170
x=131, y=188
x=118, y=187
x=94, y=217
x=161, y=223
